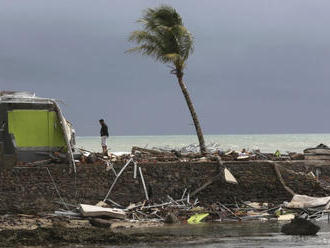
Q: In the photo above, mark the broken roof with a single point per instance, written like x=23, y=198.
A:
x=22, y=97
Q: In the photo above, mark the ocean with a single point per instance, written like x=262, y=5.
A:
x=263, y=142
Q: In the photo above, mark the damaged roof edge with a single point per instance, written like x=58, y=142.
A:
x=23, y=97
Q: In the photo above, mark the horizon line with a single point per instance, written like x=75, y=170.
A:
x=152, y=135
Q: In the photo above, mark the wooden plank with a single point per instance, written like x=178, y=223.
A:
x=93, y=211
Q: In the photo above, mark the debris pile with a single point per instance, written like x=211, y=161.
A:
x=149, y=214
x=321, y=152
x=191, y=211
x=191, y=153
x=188, y=153
x=188, y=209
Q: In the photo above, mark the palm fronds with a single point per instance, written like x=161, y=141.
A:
x=163, y=37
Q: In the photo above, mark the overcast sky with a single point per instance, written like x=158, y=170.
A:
x=259, y=66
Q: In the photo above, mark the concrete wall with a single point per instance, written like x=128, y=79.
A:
x=29, y=190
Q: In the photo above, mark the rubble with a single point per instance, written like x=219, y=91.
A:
x=110, y=217
x=156, y=214
x=188, y=153
x=174, y=211
x=191, y=153
x=184, y=202
x=304, y=201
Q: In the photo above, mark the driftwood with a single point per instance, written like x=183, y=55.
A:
x=223, y=206
x=161, y=155
x=96, y=211
x=210, y=181
x=280, y=178
x=205, y=185
x=150, y=151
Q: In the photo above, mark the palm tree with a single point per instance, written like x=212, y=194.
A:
x=166, y=39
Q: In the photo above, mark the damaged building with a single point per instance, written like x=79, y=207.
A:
x=32, y=128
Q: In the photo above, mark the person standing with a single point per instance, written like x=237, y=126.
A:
x=104, y=135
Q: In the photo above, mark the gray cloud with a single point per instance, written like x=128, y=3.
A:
x=259, y=66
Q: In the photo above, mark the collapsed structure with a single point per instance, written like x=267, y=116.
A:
x=31, y=128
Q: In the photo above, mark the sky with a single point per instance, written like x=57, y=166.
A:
x=259, y=66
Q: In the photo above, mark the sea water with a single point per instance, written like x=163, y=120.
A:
x=250, y=234
x=263, y=142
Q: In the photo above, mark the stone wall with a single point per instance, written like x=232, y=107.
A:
x=30, y=190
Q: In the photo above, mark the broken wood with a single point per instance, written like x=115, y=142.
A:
x=92, y=211
x=280, y=178
x=151, y=151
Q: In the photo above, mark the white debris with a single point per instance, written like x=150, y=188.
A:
x=92, y=211
x=229, y=177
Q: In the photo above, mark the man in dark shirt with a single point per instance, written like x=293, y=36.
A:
x=104, y=135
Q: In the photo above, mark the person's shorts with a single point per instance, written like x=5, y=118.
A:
x=104, y=140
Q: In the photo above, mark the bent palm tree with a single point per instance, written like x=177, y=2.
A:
x=166, y=39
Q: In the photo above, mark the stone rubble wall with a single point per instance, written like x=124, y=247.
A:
x=30, y=190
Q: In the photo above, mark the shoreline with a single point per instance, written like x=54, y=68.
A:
x=34, y=231
x=200, y=235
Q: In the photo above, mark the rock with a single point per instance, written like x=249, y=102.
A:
x=299, y=226
x=171, y=218
x=297, y=156
x=177, y=153
x=100, y=222
x=91, y=159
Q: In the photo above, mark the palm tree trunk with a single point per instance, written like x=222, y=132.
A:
x=193, y=114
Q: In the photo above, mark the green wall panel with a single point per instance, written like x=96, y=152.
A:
x=35, y=128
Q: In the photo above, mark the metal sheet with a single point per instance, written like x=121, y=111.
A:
x=35, y=128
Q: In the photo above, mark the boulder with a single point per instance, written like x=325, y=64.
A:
x=299, y=226
x=171, y=218
x=97, y=222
